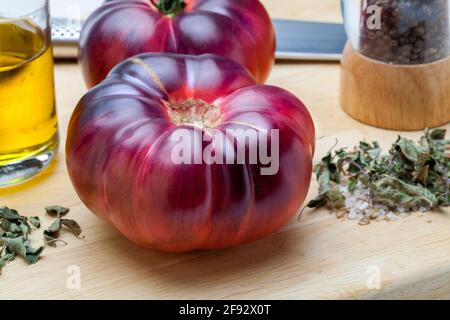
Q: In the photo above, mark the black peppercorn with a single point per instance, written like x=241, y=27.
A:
x=412, y=31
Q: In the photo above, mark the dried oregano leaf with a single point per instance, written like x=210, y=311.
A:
x=413, y=152
x=21, y=247
x=52, y=232
x=5, y=258
x=35, y=221
x=14, y=231
x=328, y=177
x=438, y=134
x=393, y=192
x=411, y=176
x=72, y=225
x=16, y=246
x=9, y=214
x=335, y=198
x=55, y=226
x=33, y=255
x=57, y=211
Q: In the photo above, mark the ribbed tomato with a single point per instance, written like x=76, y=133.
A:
x=238, y=29
x=140, y=148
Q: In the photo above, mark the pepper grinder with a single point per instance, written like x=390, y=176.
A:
x=395, y=70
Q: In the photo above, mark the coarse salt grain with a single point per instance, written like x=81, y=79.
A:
x=352, y=215
x=391, y=216
x=401, y=209
x=363, y=206
x=358, y=206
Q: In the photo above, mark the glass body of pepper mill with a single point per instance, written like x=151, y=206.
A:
x=396, y=66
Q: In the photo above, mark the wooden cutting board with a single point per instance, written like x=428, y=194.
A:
x=318, y=257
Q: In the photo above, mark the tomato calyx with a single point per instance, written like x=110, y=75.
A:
x=195, y=112
x=169, y=7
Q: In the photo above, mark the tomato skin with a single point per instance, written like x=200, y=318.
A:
x=238, y=29
x=119, y=149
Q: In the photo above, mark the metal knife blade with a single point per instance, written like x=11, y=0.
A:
x=307, y=40
x=296, y=40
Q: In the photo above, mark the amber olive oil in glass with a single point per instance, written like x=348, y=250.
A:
x=28, y=120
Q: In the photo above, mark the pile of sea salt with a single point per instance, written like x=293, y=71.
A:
x=360, y=206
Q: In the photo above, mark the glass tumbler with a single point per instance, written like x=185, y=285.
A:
x=28, y=119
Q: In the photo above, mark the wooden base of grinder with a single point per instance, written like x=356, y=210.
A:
x=395, y=97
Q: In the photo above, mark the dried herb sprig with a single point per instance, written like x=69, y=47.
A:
x=14, y=231
x=411, y=177
x=52, y=232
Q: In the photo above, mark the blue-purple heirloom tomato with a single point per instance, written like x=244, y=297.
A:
x=238, y=29
x=187, y=152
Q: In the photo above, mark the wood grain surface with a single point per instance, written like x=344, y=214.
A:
x=318, y=257
x=395, y=97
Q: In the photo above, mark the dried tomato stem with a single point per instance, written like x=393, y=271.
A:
x=194, y=112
